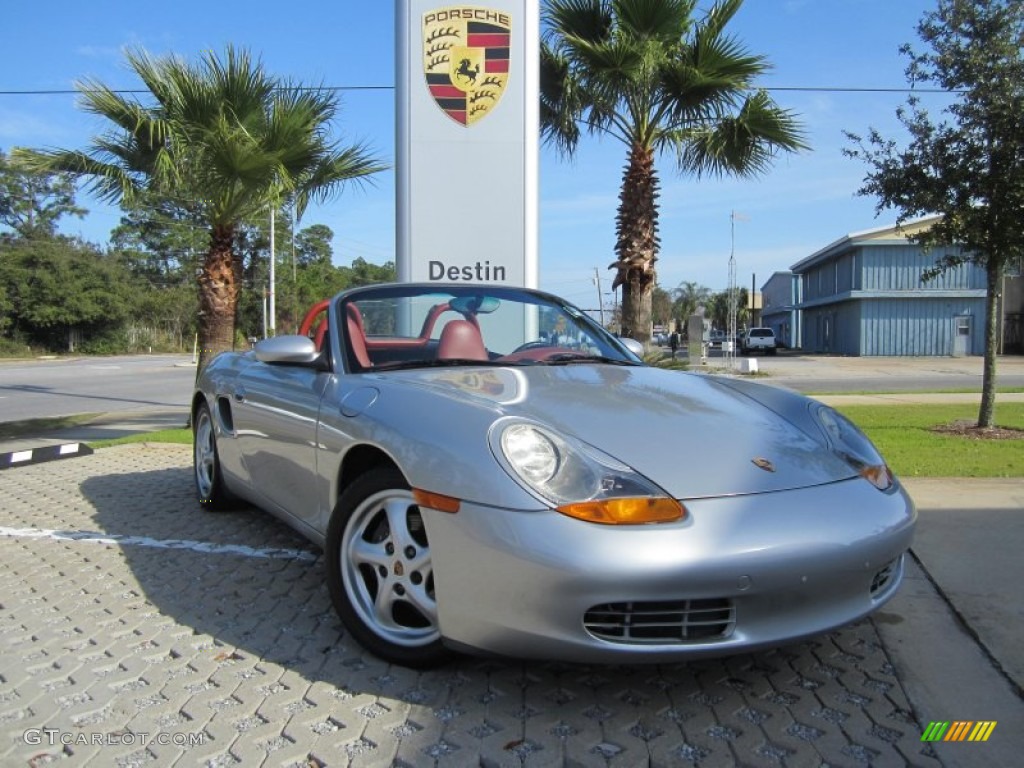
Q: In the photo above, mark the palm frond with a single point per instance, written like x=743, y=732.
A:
x=721, y=13
x=108, y=181
x=325, y=179
x=589, y=20
x=741, y=145
x=666, y=21
x=561, y=102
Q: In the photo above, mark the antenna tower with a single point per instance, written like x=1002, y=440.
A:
x=729, y=345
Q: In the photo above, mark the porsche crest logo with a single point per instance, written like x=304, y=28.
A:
x=466, y=59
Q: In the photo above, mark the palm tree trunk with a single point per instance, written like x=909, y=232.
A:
x=218, y=297
x=987, y=411
x=637, y=243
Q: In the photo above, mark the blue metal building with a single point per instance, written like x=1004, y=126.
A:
x=780, y=301
x=865, y=294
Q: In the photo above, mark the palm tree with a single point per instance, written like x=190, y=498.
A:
x=686, y=298
x=223, y=140
x=650, y=74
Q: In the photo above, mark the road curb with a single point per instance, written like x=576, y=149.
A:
x=43, y=454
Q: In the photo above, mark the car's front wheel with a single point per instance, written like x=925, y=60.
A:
x=380, y=573
x=206, y=462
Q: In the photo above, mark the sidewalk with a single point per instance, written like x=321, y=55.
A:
x=918, y=398
x=106, y=426
x=954, y=629
x=970, y=540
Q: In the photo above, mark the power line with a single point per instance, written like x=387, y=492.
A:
x=144, y=91
x=790, y=88
x=856, y=89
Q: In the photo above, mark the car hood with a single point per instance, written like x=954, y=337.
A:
x=689, y=433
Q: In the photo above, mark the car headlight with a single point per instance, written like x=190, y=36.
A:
x=852, y=445
x=578, y=480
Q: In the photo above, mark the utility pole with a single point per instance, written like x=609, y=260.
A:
x=600, y=299
x=729, y=345
x=273, y=310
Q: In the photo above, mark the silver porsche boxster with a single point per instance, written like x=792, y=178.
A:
x=488, y=470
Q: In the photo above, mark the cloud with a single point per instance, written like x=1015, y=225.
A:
x=582, y=204
x=793, y=7
x=104, y=52
x=24, y=129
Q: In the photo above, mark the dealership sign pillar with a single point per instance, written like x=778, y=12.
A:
x=467, y=106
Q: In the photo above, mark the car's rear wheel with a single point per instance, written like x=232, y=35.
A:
x=206, y=462
x=380, y=573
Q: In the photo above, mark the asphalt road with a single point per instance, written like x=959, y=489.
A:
x=822, y=373
x=31, y=389
x=42, y=388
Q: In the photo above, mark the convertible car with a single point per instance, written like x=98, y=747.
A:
x=488, y=470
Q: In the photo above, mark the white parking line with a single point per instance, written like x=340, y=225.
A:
x=93, y=537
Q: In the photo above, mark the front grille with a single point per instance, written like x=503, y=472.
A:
x=883, y=578
x=676, y=621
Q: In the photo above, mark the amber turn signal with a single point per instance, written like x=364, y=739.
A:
x=626, y=511
x=435, y=501
x=879, y=476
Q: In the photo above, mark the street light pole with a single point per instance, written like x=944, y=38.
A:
x=272, y=311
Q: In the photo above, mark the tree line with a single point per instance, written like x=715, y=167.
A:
x=674, y=307
x=139, y=292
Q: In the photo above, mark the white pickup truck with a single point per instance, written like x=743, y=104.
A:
x=757, y=339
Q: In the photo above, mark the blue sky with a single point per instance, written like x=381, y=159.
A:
x=804, y=203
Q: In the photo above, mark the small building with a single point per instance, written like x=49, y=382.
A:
x=866, y=294
x=780, y=311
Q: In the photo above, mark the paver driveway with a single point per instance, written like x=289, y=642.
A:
x=136, y=628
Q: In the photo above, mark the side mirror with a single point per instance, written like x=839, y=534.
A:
x=633, y=346
x=289, y=350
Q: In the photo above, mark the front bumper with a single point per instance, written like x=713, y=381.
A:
x=783, y=566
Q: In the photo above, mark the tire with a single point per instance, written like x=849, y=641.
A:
x=206, y=463
x=380, y=573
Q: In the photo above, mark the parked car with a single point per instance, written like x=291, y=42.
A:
x=758, y=340
x=476, y=486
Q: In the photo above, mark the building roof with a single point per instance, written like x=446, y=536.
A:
x=893, y=233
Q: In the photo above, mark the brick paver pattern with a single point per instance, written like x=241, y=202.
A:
x=137, y=628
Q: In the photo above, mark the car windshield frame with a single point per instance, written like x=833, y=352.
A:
x=398, y=326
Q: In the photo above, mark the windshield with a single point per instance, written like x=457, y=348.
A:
x=410, y=326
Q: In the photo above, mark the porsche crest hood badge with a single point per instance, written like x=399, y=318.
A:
x=466, y=60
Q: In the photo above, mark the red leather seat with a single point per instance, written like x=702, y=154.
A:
x=461, y=340
x=357, y=336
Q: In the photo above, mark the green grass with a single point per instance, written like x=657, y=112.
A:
x=181, y=435
x=661, y=359
x=903, y=435
x=952, y=391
